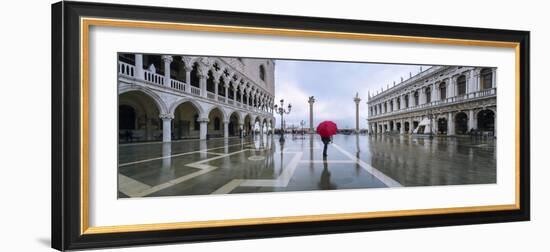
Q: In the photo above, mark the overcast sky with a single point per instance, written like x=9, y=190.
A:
x=334, y=85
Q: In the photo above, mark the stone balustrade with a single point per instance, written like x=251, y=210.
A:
x=150, y=78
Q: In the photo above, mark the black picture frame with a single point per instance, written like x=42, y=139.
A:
x=66, y=125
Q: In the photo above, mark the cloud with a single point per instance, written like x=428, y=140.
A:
x=334, y=85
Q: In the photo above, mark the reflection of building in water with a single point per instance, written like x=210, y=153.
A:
x=446, y=100
x=172, y=97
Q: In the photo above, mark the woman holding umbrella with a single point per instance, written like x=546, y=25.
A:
x=326, y=130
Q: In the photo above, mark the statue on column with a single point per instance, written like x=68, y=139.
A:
x=311, y=100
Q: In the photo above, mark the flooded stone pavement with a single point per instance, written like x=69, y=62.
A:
x=263, y=164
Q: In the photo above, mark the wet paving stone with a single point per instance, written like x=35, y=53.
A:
x=249, y=165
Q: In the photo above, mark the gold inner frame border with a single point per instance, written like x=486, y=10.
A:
x=87, y=22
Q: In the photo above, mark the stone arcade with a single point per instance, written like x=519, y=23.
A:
x=442, y=100
x=169, y=97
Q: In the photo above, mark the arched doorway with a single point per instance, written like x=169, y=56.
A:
x=234, y=125
x=486, y=120
x=461, y=123
x=415, y=124
x=138, y=117
x=442, y=125
x=185, y=124
x=215, y=123
x=407, y=127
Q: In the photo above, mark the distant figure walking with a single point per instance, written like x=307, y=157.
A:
x=326, y=130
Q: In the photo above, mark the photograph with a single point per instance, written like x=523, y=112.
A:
x=174, y=124
x=202, y=124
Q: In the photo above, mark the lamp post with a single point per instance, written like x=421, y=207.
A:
x=430, y=117
x=281, y=111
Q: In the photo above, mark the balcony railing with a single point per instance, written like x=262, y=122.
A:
x=129, y=71
x=178, y=85
x=153, y=77
x=126, y=69
x=195, y=91
x=447, y=101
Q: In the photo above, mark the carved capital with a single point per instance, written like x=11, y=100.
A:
x=203, y=120
x=166, y=116
x=167, y=58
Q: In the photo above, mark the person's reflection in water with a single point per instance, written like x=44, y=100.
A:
x=324, y=183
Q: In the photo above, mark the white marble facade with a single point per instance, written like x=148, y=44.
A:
x=199, y=97
x=443, y=100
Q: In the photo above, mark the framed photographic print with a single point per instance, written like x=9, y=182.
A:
x=180, y=125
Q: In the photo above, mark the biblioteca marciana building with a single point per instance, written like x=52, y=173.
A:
x=172, y=97
x=442, y=100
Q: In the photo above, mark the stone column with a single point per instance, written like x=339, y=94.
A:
x=226, y=86
x=242, y=95
x=166, y=127
x=411, y=127
x=203, y=127
x=235, y=94
x=247, y=97
x=471, y=120
x=167, y=61
x=450, y=124
x=471, y=87
x=203, y=73
x=357, y=100
x=225, y=129
x=451, y=88
x=311, y=100
x=402, y=128
x=216, y=84
x=139, y=66
x=434, y=97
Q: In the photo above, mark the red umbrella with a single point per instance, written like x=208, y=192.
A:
x=327, y=128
